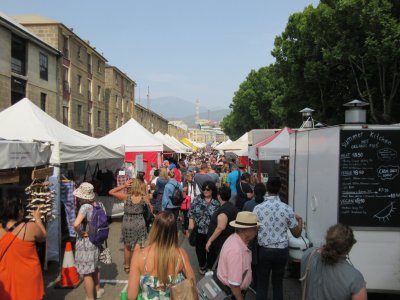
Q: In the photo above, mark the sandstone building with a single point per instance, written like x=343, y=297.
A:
x=82, y=75
x=28, y=68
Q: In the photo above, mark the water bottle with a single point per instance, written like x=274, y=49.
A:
x=124, y=295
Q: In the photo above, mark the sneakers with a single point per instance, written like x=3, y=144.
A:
x=99, y=293
x=202, y=271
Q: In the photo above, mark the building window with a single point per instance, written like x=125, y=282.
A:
x=99, y=66
x=127, y=106
x=18, y=87
x=66, y=46
x=43, y=97
x=99, y=92
x=116, y=101
x=116, y=122
x=89, y=90
x=65, y=115
x=89, y=67
x=43, y=66
x=79, y=115
x=18, y=55
x=79, y=83
x=90, y=120
x=98, y=118
x=79, y=52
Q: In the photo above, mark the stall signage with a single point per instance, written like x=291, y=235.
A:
x=369, y=191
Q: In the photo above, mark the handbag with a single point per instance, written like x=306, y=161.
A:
x=186, y=289
x=208, y=289
x=147, y=215
x=193, y=236
x=303, y=278
x=105, y=255
x=186, y=203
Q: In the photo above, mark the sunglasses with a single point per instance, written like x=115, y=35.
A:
x=206, y=189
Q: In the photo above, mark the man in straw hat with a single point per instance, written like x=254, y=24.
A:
x=234, y=266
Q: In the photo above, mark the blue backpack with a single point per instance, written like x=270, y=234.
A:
x=98, y=226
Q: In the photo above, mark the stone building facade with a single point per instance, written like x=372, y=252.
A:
x=28, y=68
x=176, y=131
x=119, y=98
x=150, y=120
x=81, y=78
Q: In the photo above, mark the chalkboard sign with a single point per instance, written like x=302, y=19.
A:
x=369, y=184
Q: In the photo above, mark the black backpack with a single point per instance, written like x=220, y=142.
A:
x=177, y=196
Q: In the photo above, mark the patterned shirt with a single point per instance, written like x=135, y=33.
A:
x=275, y=218
x=201, y=211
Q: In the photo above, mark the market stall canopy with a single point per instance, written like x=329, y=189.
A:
x=178, y=143
x=240, y=144
x=219, y=146
x=136, y=138
x=189, y=144
x=273, y=147
x=19, y=154
x=26, y=122
x=168, y=142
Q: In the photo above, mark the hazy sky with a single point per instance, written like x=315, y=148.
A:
x=184, y=48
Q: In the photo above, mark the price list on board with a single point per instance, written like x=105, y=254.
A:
x=369, y=182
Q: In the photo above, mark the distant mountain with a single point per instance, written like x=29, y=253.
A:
x=213, y=115
x=174, y=108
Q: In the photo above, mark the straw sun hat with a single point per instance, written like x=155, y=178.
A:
x=245, y=219
x=85, y=191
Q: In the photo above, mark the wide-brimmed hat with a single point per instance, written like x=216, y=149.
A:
x=85, y=191
x=245, y=219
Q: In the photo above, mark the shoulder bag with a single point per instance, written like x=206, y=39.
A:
x=105, y=254
x=185, y=290
x=303, y=279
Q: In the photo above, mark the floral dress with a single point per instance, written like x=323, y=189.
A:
x=201, y=211
x=151, y=287
x=133, y=229
x=86, y=253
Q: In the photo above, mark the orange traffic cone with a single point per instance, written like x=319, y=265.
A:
x=69, y=275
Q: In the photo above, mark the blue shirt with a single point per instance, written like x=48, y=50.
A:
x=168, y=191
x=233, y=179
x=275, y=218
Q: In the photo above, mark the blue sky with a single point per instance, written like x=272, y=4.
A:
x=183, y=48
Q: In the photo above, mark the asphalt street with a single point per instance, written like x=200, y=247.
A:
x=114, y=278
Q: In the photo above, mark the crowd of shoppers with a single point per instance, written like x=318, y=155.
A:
x=241, y=227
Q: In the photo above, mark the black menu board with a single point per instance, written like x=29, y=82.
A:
x=369, y=183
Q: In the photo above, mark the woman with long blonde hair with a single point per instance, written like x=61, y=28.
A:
x=161, y=264
x=133, y=229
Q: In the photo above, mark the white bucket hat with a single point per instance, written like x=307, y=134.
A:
x=245, y=219
x=85, y=191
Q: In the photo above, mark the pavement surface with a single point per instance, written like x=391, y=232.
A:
x=114, y=278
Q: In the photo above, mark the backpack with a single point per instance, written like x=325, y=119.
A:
x=177, y=196
x=98, y=226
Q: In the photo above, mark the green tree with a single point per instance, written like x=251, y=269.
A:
x=256, y=104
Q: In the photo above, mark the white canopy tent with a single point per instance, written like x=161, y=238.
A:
x=273, y=147
x=179, y=144
x=218, y=147
x=168, y=142
x=135, y=137
x=19, y=154
x=26, y=122
x=239, y=144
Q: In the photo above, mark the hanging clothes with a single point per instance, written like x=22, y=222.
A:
x=68, y=199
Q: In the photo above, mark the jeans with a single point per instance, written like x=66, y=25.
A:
x=271, y=260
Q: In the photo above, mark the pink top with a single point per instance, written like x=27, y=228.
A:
x=234, y=265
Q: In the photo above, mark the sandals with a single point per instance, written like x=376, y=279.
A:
x=127, y=269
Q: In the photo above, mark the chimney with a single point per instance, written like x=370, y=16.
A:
x=308, y=121
x=356, y=112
